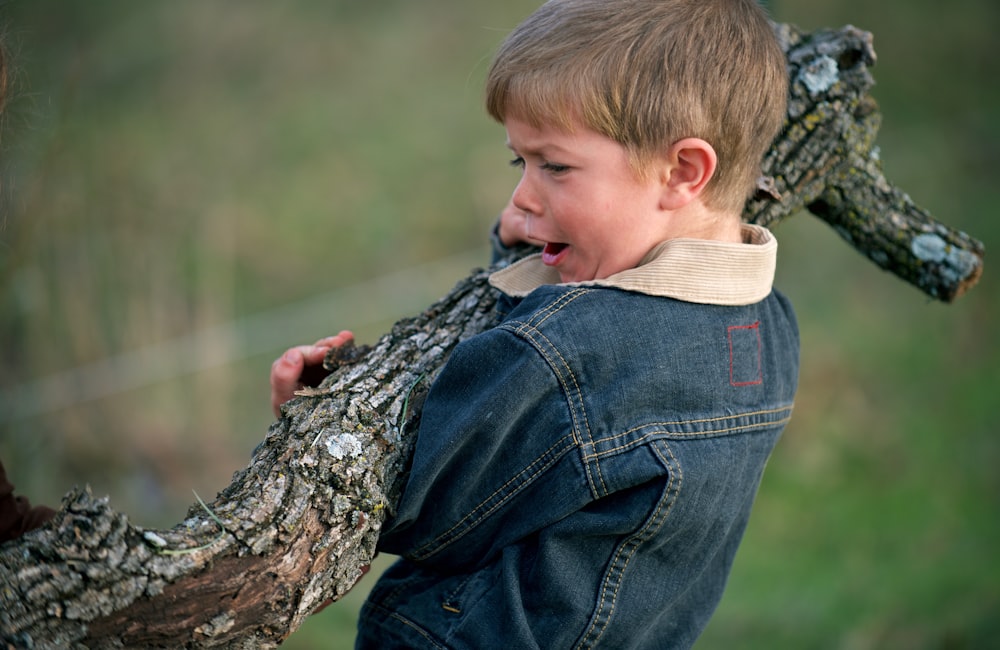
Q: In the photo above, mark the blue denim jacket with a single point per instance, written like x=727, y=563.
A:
x=584, y=471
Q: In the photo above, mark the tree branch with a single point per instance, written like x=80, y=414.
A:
x=826, y=160
x=294, y=529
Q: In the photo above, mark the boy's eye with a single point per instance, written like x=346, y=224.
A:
x=552, y=168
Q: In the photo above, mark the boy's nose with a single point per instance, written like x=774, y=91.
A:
x=524, y=197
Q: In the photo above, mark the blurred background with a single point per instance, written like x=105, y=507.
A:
x=191, y=187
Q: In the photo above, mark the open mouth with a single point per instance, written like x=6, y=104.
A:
x=553, y=253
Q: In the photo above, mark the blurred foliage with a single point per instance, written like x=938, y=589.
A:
x=171, y=169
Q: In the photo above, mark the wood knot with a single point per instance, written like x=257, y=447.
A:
x=766, y=188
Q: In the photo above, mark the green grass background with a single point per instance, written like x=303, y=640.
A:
x=189, y=187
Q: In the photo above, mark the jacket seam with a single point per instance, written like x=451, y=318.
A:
x=426, y=634
x=532, y=335
x=418, y=629
x=667, y=428
x=563, y=371
x=554, y=307
x=614, y=578
x=564, y=374
x=523, y=478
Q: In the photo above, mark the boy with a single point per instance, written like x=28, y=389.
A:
x=584, y=471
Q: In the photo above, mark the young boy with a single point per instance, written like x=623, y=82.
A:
x=584, y=471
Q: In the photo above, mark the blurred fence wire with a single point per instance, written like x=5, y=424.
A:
x=407, y=291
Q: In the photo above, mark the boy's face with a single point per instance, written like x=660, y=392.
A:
x=583, y=199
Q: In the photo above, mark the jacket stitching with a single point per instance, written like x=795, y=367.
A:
x=532, y=335
x=567, y=379
x=759, y=379
x=416, y=628
x=571, y=387
x=614, y=577
x=451, y=601
x=667, y=426
x=471, y=520
x=721, y=418
x=663, y=433
x=556, y=306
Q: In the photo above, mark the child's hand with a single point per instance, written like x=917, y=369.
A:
x=514, y=227
x=301, y=366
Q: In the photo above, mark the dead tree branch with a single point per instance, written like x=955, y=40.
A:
x=826, y=160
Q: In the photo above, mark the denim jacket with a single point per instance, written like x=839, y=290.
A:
x=584, y=470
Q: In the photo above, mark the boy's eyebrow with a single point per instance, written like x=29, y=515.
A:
x=541, y=150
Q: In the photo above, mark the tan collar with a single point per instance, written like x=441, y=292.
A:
x=692, y=270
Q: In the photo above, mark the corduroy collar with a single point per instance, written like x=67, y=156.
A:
x=693, y=270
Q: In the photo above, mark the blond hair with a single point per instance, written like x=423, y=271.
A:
x=647, y=73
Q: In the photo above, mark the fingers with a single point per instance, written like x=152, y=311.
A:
x=285, y=374
x=301, y=366
x=335, y=341
x=515, y=227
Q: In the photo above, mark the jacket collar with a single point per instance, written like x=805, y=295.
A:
x=693, y=270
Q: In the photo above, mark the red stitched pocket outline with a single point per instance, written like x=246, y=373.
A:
x=745, y=355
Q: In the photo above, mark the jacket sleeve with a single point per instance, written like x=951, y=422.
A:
x=496, y=457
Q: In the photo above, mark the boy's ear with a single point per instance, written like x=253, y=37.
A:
x=689, y=166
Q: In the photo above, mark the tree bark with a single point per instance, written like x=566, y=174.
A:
x=825, y=160
x=295, y=528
